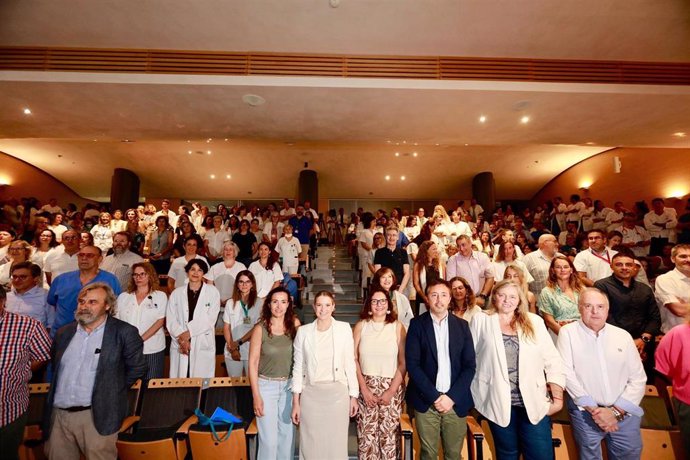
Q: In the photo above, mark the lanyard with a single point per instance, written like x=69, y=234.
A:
x=606, y=259
x=244, y=309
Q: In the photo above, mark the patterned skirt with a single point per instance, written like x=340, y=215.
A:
x=378, y=427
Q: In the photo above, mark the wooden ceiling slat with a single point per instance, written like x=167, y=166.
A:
x=353, y=66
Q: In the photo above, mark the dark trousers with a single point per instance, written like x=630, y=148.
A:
x=683, y=423
x=521, y=437
x=11, y=436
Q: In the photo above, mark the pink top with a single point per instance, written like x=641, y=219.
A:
x=673, y=360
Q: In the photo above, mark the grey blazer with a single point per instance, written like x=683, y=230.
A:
x=120, y=365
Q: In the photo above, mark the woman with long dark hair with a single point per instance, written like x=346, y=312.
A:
x=270, y=375
x=241, y=314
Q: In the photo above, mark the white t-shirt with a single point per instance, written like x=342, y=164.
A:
x=265, y=278
x=215, y=241
x=177, y=272
x=224, y=278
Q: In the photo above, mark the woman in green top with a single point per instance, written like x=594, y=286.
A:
x=558, y=300
x=270, y=372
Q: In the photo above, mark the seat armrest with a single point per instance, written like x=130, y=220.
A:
x=129, y=422
x=252, y=429
x=474, y=429
x=405, y=424
x=183, y=430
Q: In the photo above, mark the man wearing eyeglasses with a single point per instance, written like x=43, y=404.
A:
x=27, y=297
x=65, y=288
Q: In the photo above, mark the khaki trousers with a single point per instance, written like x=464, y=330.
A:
x=73, y=433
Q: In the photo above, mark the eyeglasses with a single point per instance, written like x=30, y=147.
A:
x=20, y=277
x=244, y=282
x=375, y=302
x=87, y=255
x=139, y=275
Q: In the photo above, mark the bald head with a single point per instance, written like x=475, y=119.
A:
x=548, y=244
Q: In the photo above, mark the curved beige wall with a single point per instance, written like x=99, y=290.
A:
x=26, y=180
x=645, y=174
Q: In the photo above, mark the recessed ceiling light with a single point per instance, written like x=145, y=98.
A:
x=212, y=176
x=437, y=144
x=388, y=142
x=387, y=177
x=127, y=141
x=590, y=143
x=208, y=152
x=397, y=143
x=189, y=152
x=482, y=119
x=226, y=139
x=253, y=100
x=404, y=142
x=397, y=154
x=95, y=140
x=209, y=140
x=414, y=154
x=402, y=177
x=415, y=143
x=680, y=134
x=228, y=176
x=524, y=120
x=27, y=111
x=188, y=141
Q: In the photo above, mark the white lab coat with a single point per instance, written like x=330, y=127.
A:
x=201, y=328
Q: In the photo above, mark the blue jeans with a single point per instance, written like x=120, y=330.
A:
x=624, y=444
x=276, y=431
x=521, y=437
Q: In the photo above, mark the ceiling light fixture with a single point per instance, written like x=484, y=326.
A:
x=387, y=177
x=414, y=154
x=482, y=119
x=228, y=176
x=189, y=152
x=27, y=111
x=208, y=152
x=524, y=120
x=212, y=176
x=226, y=139
x=208, y=140
x=397, y=154
x=680, y=134
x=402, y=177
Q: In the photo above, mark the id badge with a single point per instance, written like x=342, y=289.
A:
x=247, y=320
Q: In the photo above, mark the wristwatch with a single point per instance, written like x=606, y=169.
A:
x=619, y=416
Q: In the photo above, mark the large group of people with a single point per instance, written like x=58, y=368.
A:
x=515, y=316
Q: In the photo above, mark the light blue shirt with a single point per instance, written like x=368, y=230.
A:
x=443, y=350
x=32, y=303
x=77, y=373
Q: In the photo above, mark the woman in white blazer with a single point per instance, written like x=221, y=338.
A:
x=324, y=383
x=520, y=375
x=191, y=321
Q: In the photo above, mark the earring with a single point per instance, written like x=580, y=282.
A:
x=370, y=313
x=388, y=312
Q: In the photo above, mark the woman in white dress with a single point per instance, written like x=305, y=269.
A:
x=242, y=312
x=191, y=319
x=143, y=306
x=324, y=383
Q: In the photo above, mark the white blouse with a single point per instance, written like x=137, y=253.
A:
x=143, y=315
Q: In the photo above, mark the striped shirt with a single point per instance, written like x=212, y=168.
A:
x=22, y=340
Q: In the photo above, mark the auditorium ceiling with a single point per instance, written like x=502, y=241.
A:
x=366, y=137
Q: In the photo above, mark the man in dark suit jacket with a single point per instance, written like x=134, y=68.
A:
x=96, y=359
x=441, y=363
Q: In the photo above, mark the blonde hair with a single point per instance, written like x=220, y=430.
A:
x=521, y=320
